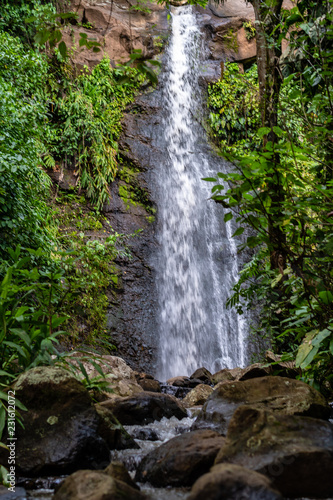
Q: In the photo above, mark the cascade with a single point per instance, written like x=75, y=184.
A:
x=197, y=261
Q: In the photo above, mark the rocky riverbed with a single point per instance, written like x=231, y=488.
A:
x=241, y=433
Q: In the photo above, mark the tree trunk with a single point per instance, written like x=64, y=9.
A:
x=267, y=16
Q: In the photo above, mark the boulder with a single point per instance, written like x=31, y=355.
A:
x=184, y=382
x=227, y=375
x=254, y=371
x=278, y=394
x=233, y=482
x=113, y=367
x=118, y=471
x=180, y=461
x=123, y=388
x=111, y=430
x=144, y=408
x=202, y=374
x=147, y=382
x=197, y=396
x=60, y=427
x=93, y=485
x=296, y=453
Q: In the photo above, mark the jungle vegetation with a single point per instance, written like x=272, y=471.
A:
x=281, y=189
x=279, y=140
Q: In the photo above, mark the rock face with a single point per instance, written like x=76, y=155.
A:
x=144, y=408
x=233, y=482
x=296, y=453
x=61, y=424
x=92, y=485
x=278, y=394
x=180, y=461
x=120, y=29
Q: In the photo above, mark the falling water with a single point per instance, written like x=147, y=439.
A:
x=197, y=262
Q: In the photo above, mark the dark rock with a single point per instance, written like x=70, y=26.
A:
x=178, y=392
x=180, y=381
x=147, y=382
x=197, y=396
x=118, y=471
x=255, y=371
x=232, y=482
x=145, y=407
x=296, y=453
x=144, y=434
x=278, y=394
x=111, y=430
x=183, y=381
x=203, y=375
x=180, y=461
x=93, y=485
x=60, y=427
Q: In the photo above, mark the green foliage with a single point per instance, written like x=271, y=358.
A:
x=230, y=124
x=283, y=191
x=23, y=184
x=142, y=6
x=250, y=30
x=86, y=127
x=14, y=13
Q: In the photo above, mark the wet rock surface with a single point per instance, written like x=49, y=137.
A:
x=296, y=453
x=145, y=408
x=111, y=430
x=60, y=427
x=278, y=394
x=233, y=482
x=180, y=461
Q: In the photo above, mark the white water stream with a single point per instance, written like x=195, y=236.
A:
x=198, y=260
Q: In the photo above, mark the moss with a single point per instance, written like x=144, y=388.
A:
x=130, y=189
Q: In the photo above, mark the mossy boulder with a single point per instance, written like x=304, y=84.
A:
x=278, y=394
x=60, y=427
x=296, y=453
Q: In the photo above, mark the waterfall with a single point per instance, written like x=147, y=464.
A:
x=197, y=261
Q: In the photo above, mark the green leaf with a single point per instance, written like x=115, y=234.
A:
x=263, y=131
x=326, y=297
x=318, y=339
x=238, y=232
x=63, y=50
x=228, y=217
x=209, y=179
x=305, y=349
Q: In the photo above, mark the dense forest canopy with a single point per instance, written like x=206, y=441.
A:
x=280, y=190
